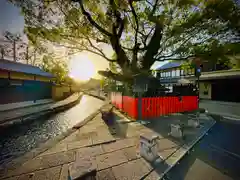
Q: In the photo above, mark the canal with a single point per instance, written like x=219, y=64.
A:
x=216, y=156
x=19, y=139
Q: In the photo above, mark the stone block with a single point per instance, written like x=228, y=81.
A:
x=149, y=147
x=193, y=123
x=176, y=131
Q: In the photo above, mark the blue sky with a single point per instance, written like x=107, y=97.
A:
x=10, y=18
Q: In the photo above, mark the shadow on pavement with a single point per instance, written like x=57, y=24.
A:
x=216, y=156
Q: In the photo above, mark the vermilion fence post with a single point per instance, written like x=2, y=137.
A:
x=159, y=106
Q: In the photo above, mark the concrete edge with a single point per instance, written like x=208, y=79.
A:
x=99, y=97
x=25, y=107
x=16, y=120
x=17, y=162
x=186, y=150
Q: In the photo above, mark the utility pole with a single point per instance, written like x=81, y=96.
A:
x=14, y=50
x=2, y=53
x=27, y=54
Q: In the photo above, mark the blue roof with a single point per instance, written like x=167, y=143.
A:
x=23, y=68
x=170, y=65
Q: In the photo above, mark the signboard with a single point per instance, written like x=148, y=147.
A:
x=140, y=83
x=140, y=88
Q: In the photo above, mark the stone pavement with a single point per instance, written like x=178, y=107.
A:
x=114, y=150
x=22, y=112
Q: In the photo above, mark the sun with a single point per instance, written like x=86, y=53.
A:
x=81, y=68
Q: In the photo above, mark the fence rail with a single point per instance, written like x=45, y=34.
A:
x=152, y=107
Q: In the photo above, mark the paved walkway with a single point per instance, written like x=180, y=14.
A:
x=114, y=150
x=21, y=112
x=226, y=109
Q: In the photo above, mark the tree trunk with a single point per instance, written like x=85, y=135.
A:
x=153, y=47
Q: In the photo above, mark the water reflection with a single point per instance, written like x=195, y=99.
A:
x=19, y=139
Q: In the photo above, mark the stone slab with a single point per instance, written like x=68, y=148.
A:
x=110, y=159
x=46, y=174
x=101, y=138
x=166, y=144
x=83, y=168
x=56, y=149
x=133, y=170
x=120, y=144
x=44, y=162
x=13, y=178
x=106, y=174
x=164, y=154
x=79, y=144
x=64, y=171
x=131, y=153
x=89, y=152
x=153, y=176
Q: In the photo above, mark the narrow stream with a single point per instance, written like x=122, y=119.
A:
x=19, y=139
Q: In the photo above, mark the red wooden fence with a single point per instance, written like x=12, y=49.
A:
x=154, y=106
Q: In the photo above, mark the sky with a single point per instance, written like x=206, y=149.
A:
x=11, y=20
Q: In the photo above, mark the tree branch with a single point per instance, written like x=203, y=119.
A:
x=89, y=50
x=90, y=19
x=180, y=58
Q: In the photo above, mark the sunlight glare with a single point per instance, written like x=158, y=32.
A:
x=81, y=68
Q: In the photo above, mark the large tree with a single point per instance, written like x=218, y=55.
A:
x=140, y=32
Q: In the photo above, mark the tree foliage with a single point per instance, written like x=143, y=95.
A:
x=24, y=51
x=140, y=32
x=58, y=68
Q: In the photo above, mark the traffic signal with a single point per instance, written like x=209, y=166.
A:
x=198, y=70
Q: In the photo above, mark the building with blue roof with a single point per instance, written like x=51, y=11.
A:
x=217, y=82
x=22, y=82
x=171, y=72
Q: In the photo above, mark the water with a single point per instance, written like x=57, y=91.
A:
x=19, y=139
x=216, y=156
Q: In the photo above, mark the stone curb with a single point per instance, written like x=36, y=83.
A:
x=15, y=163
x=219, y=117
x=186, y=151
x=20, y=119
x=3, y=111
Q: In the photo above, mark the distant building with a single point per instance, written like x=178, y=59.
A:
x=216, y=82
x=21, y=82
x=170, y=73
